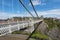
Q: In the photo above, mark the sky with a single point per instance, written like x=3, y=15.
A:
x=13, y=8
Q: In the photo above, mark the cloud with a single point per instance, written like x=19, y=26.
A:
x=4, y=15
x=38, y=2
x=54, y=11
x=50, y=13
x=35, y=2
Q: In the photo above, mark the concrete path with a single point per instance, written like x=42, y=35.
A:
x=15, y=37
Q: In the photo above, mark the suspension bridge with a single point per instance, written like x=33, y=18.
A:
x=11, y=27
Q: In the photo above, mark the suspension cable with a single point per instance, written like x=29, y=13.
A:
x=26, y=8
x=34, y=30
x=34, y=8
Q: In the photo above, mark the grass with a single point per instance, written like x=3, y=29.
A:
x=20, y=32
x=51, y=23
x=38, y=35
x=16, y=32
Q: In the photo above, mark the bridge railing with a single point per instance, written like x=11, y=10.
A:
x=11, y=28
x=18, y=26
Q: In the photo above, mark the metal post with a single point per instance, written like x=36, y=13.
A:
x=10, y=29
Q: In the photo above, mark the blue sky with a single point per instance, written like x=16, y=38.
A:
x=47, y=8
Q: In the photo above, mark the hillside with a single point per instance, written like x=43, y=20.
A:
x=53, y=28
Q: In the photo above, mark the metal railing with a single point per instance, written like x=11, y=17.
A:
x=18, y=26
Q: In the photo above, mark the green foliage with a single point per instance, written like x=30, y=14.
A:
x=38, y=35
x=16, y=32
x=19, y=32
x=52, y=23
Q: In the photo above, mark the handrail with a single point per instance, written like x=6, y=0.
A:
x=11, y=28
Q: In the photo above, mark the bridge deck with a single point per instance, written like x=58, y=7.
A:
x=9, y=28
